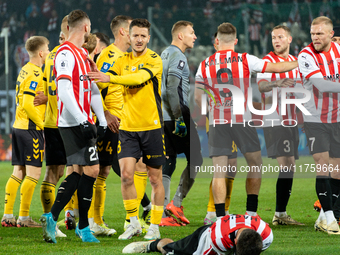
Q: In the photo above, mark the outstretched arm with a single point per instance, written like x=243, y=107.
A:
x=281, y=67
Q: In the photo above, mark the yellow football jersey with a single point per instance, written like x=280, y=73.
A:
x=50, y=90
x=112, y=95
x=141, y=80
x=28, y=116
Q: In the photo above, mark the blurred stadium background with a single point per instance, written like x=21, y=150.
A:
x=254, y=19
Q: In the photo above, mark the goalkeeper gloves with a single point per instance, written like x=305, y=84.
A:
x=87, y=130
x=180, y=128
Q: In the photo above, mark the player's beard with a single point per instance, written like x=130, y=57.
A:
x=139, y=51
x=283, y=50
x=319, y=47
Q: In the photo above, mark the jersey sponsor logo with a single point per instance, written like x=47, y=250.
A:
x=133, y=68
x=111, y=54
x=64, y=53
x=126, y=68
x=153, y=156
x=33, y=85
x=106, y=66
x=153, y=55
x=181, y=65
x=36, y=73
x=140, y=66
x=330, y=62
x=84, y=78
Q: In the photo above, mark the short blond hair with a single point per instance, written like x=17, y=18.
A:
x=178, y=25
x=226, y=32
x=323, y=19
x=91, y=43
x=64, y=24
x=34, y=44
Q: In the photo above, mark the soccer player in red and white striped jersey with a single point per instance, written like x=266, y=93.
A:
x=76, y=96
x=232, y=234
x=281, y=141
x=319, y=65
x=233, y=69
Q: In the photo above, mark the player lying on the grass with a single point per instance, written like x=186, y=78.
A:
x=232, y=234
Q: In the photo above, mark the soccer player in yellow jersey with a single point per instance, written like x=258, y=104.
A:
x=141, y=128
x=27, y=136
x=113, y=104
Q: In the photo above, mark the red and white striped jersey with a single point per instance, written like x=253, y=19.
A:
x=231, y=68
x=267, y=96
x=224, y=230
x=324, y=107
x=71, y=63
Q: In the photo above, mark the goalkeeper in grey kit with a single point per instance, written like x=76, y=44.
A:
x=179, y=129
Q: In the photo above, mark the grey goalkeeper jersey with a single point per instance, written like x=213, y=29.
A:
x=175, y=63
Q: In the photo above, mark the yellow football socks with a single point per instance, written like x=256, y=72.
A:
x=211, y=203
x=140, y=180
x=91, y=209
x=47, y=195
x=131, y=207
x=26, y=194
x=156, y=214
x=229, y=183
x=99, y=199
x=11, y=189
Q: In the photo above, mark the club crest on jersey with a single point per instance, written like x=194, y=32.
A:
x=63, y=63
x=337, y=60
x=181, y=65
x=133, y=68
x=106, y=66
x=33, y=85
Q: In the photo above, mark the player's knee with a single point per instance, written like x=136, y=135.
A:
x=60, y=173
x=155, y=180
x=127, y=178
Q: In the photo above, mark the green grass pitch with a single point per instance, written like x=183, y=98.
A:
x=299, y=240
